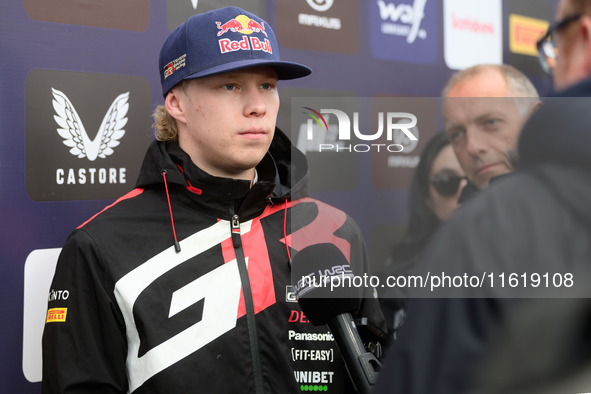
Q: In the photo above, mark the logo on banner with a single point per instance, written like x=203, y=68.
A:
x=320, y=5
x=527, y=21
x=73, y=132
x=319, y=25
x=314, y=137
x=103, y=121
x=403, y=20
x=470, y=26
x=404, y=30
x=524, y=33
x=177, y=11
x=317, y=20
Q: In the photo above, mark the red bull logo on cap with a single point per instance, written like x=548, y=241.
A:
x=245, y=25
x=241, y=24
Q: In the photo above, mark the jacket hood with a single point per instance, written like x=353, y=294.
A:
x=556, y=144
x=292, y=168
x=560, y=130
x=284, y=168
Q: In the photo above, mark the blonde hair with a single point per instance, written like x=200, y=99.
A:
x=165, y=126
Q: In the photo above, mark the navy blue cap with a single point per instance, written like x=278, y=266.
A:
x=219, y=41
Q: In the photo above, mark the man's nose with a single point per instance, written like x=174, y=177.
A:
x=254, y=104
x=476, y=143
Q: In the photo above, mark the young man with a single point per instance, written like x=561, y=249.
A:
x=183, y=285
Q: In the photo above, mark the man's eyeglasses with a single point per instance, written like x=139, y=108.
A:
x=446, y=185
x=547, y=51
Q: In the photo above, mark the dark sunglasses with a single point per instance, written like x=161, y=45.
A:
x=546, y=45
x=446, y=185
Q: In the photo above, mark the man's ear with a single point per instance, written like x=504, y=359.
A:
x=585, y=33
x=172, y=102
x=533, y=109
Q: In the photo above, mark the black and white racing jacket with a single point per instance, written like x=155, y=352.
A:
x=219, y=315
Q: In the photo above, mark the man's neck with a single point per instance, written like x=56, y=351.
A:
x=248, y=175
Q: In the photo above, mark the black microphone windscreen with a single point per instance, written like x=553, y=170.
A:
x=323, y=282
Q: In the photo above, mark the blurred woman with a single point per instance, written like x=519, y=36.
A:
x=434, y=192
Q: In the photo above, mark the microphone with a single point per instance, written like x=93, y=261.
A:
x=323, y=283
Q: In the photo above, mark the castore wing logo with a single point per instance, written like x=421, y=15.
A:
x=72, y=130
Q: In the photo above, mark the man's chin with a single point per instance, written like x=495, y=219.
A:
x=482, y=181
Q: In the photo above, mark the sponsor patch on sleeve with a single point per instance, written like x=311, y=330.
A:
x=56, y=315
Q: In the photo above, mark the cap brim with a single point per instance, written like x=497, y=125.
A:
x=285, y=70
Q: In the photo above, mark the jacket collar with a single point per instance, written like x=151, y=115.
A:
x=581, y=89
x=559, y=130
x=224, y=197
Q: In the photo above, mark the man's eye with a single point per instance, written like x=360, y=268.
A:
x=230, y=86
x=492, y=122
x=456, y=135
x=266, y=86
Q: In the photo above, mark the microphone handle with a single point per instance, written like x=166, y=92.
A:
x=360, y=363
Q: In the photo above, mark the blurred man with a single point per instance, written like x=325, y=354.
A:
x=570, y=36
x=536, y=221
x=484, y=112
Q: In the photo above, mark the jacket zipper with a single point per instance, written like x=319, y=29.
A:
x=250, y=316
